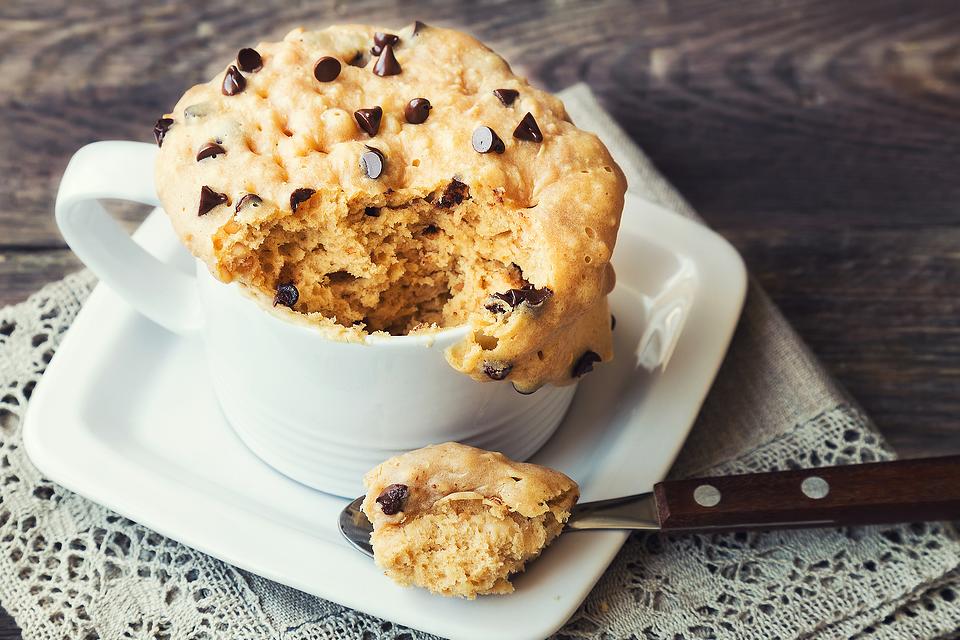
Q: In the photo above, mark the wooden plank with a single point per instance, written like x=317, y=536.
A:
x=880, y=309
x=8, y=628
x=23, y=272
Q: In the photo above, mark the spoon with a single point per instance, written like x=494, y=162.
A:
x=877, y=493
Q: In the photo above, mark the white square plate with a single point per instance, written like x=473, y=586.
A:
x=125, y=416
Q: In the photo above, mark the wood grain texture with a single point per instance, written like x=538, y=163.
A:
x=919, y=490
x=8, y=627
x=819, y=136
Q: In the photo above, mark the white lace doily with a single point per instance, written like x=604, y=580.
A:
x=70, y=568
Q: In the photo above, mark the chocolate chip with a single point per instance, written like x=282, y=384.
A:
x=160, y=129
x=249, y=200
x=485, y=140
x=373, y=212
x=430, y=229
x=380, y=39
x=455, y=193
x=497, y=370
x=387, y=64
x=327, y=69
x=287, y=295
x=393, y=498
x=585, y=364
x=417, y=110
x=506, y=96
x=613, y=322
x=210, y=150
x=299, y=196
x=369, y=119
x=372, y=163
x=233, y=82
x=528, y=129
x=495, y=306
x=210, y=199
x=249, y=60
x=528, y=295
x=418, y=27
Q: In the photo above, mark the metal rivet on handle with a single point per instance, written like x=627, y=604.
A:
x=815, y=487
x=706, y=495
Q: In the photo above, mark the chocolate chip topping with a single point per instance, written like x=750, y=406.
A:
x=506, y=96
x=528, y=295
x=393, y=498
x=233, y=82
x=418, y=27
x=299, y=196
x=380, y=39
x=210, y=150
x=160, y=129
x=613, y=322
x=249, y=200
x=249, y=60
x=287, y=295
x=373, y=212
x=585, y=364
x=417, y=110
x=454, y=193
x=372, y=163
x=327, y=69
x=210, y=199
x=528, y=129
x=369, y=119
x=387, y=64
x=497, y=370
x=485, y=140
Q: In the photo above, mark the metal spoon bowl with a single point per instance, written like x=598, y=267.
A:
x=355, y=527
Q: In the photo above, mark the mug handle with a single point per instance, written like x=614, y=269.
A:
x=123, y=171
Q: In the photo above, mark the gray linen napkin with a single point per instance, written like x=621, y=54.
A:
x=71, y=568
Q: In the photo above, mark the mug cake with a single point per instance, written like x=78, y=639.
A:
x=402, y=182
x=461, y=521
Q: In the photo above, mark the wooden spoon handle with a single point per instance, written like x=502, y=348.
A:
x=883, y=492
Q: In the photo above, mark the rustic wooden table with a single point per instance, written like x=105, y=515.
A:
x=821, y=138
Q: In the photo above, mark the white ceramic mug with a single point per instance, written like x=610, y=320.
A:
x=320, y=411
